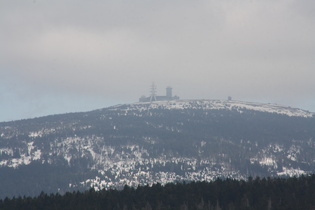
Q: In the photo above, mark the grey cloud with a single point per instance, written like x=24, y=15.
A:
x=255, y=50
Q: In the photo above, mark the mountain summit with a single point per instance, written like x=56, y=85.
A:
x=149, y=142
x=219, y=105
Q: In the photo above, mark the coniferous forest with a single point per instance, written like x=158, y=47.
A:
x=259, y=193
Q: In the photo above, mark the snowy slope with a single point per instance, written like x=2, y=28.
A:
x=239, y=106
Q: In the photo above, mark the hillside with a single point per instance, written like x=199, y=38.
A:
x=146, y=143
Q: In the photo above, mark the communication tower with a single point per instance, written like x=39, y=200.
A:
x=153, y=93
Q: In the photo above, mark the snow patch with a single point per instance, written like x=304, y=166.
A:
x=293, y=153
x=238, y=106
x=268, y=161
x=291, y=172
x=6, y=151
x=25, y=157
x=203, y=143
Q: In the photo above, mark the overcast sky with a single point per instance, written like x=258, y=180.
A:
x=75, y=55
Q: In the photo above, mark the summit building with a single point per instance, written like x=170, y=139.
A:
x=153, y=97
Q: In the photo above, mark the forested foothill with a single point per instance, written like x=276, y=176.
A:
x=255, y=193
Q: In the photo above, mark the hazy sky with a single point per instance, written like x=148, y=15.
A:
x=74, y=55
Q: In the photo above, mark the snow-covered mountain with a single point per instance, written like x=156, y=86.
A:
x=162, y=141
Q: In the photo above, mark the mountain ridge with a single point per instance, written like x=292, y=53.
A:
x=222, y=104
x=232, y=103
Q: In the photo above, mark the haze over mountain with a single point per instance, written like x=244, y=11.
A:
x=76, y=55
x=162, y=141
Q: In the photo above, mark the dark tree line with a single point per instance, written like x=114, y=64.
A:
x=266, y=193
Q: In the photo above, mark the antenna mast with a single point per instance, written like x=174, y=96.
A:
x=153, y=92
